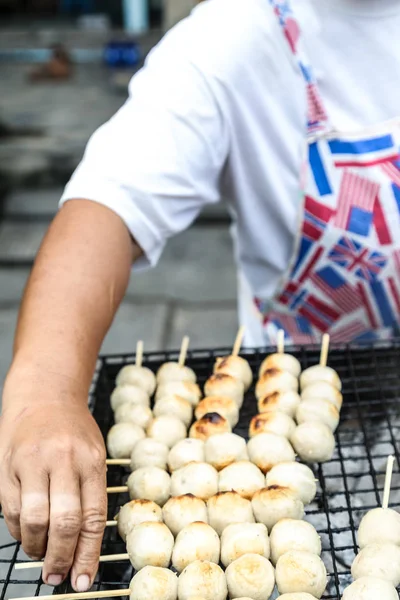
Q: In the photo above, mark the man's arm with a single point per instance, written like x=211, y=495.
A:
x=52, y=456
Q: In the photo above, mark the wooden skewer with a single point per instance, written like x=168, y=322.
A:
x=39, y=564
x=111, y=523
x=184, y=349
x=81, y=595
x=117, y=489
x=281, y=342
x=118, y=461
x=388, y=482
x=139, y=353
x=238, y=341
x=324, y=350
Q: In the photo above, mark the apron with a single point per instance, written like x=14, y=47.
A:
x=344, y=275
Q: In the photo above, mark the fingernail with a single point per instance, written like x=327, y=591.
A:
x=82, y=583
x=54, y=579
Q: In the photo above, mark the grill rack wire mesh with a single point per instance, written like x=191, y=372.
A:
x=349, y=485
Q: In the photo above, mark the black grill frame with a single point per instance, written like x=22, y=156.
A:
x=368, y=432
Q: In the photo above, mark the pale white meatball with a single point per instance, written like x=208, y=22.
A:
x=296, y=596
x=150, y=483
x=210, y=424
x=150, y=544
x=226, y=508
x=154, y=582
x=140, y=376
x=318, y=410
x=242, y=477
x=173, y=371
x=267, y=450
x=180, y=511
x=149, y=453
x=185, y=389
x=166, y=429
x=135, y=512
x=378, y=560
x=318, y=373
x=202, y=578
x=175, y=406
x=122, y=438
x=323, y=391
x=285, y=402
x=223, y=405
x=272, y=422
x=313, y=442
x=128, y=393
x=370, y=588
x=274, y=503
x=297, y=477
x=236, y=366
x=184, y=452
x=223, y=449
x=197, y=541
x=284, y=362
x=379, y=526
x=199, y=479
x=275, y=380
x=244, y=538
x=222, y=384
x=293, y=534
x=138, y=414
x=299, y=571
x=250, y=575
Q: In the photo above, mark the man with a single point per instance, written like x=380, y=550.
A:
x=294, y=117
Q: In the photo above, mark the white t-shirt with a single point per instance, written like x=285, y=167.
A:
x=220, y=110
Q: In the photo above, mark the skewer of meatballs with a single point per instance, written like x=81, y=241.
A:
x=376, y=568
x=316, y=412
x=276, y=392
x=224, y=391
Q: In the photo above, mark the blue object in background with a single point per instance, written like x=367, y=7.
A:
x=136, y=16
x=84, y=6
x=122, y=54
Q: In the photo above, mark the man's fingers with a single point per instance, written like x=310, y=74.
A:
x=65, y=524
x=11, y=504
x=34, y=511
x=94, y=512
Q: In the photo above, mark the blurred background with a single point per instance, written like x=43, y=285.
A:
x=64, y=70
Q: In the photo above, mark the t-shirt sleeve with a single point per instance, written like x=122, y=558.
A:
x=158, y=161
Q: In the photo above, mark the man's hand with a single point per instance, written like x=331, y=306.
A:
x=52, y=456
x=53, y=485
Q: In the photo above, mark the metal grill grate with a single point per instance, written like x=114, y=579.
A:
x=351, y=483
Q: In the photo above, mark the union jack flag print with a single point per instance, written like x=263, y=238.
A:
x=318, y=312
x=352, y=256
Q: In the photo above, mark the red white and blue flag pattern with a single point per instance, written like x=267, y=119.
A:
x=345, y=278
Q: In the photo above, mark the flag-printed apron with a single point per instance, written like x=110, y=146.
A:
x=344, y=275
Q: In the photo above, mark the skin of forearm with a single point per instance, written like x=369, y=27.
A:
x=78, y=281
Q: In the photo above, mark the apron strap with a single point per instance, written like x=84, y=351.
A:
x=317, y=118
